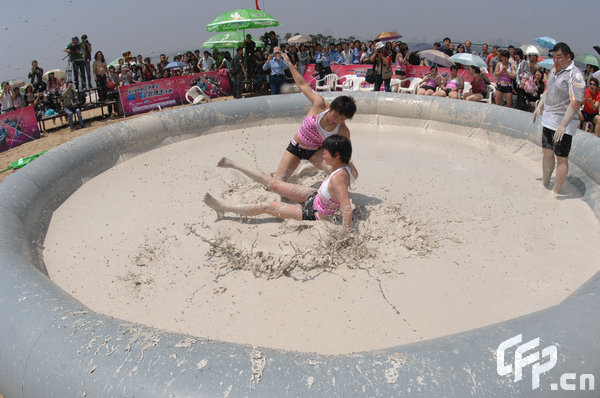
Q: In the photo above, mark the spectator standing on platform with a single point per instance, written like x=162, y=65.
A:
x=87, y=55
x=237, y=73
x=207, y=63
x=17, y=98
x=564, y=95
x=35, y=76
x=77, y=57
x=278, y=67
x=71, y=105
x=100, y=75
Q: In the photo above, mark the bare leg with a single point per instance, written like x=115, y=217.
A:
x=597, y=126
x=276, y=209
x=287, y=165
x=562, y=170
x=547, y=166
x=295, y=192
x=499, y=97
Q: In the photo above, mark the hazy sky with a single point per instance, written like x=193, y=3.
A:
x=41, y=29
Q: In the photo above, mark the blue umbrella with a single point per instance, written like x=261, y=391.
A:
x=175, y=64
x=548, y=63
x=545, y=41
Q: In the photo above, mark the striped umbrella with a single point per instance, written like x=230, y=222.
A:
x=386, y=36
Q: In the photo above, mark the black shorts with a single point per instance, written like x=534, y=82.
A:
x=561, y=149
x=400, y=72
x=504, y=89
x=308, y=209
x=588, y=117
x=301, y=153
x=428, y=88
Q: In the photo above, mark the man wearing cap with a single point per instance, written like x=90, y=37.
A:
x=278, y=67
x=564, y=94
x=76, y=55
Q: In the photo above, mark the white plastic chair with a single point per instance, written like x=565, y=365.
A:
x=394, y=84
x=491, y=91
x=352, y=83
x=327, y=83
x=466, y=88
x=195, y=96
x=412, y=88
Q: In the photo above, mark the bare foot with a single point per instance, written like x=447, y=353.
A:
x=214, y=204
x=225, y=162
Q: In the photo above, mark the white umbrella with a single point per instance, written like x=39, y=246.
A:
x=437, y=57
x=529, y=49
x=18, y=83
x=298, y=39
x=58, y=73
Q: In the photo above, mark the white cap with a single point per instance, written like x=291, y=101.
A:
x=379, y=46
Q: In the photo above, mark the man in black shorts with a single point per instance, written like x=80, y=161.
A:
x=560, y=104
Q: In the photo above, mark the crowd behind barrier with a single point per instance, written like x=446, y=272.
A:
x=134, y=84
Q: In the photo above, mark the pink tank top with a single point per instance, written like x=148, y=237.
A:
x=311, y=135
x=431, y=82
x=504, y=78
x=324, y=204
x=452, y=83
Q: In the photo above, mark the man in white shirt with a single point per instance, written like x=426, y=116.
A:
x=207, y=63
x=346, y=54
x=564, y=94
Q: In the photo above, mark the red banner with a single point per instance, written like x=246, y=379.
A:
x=361, y=70
x=146, y=96
x=18, y=127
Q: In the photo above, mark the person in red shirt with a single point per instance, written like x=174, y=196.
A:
x=591, y=102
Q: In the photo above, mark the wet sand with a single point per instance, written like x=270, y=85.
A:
x=451, y=233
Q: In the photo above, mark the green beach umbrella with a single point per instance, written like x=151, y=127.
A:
x=241, y=19
x=587, y=59
x=228, y=40
x=17, y=164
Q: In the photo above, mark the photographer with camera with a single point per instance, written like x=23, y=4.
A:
x=76, y=52
x=35, y=76
x=87, y=55
x=383, y=68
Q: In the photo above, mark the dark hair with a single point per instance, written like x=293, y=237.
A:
x=511, y=46
x=519, y=52
x=344, y=105
x=446, y=38
x=504, y=53
x=96, y=56
x=433, y=67
x=335, y=144
x=563, y=48
x=476, y=69
x=33, y=61
x=593, y=79
x=453, y=67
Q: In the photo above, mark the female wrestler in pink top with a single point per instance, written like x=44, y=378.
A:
x=312, y=204
x=321, y=121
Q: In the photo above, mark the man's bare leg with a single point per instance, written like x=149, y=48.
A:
x=562, y=170
x=547, y=166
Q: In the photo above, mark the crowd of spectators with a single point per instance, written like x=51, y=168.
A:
x=515, y=75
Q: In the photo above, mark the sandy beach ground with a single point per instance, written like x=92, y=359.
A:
x=451, y=233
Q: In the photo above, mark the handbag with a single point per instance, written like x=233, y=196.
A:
x=370, y=76
x=530, y=86
x=110, y=85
